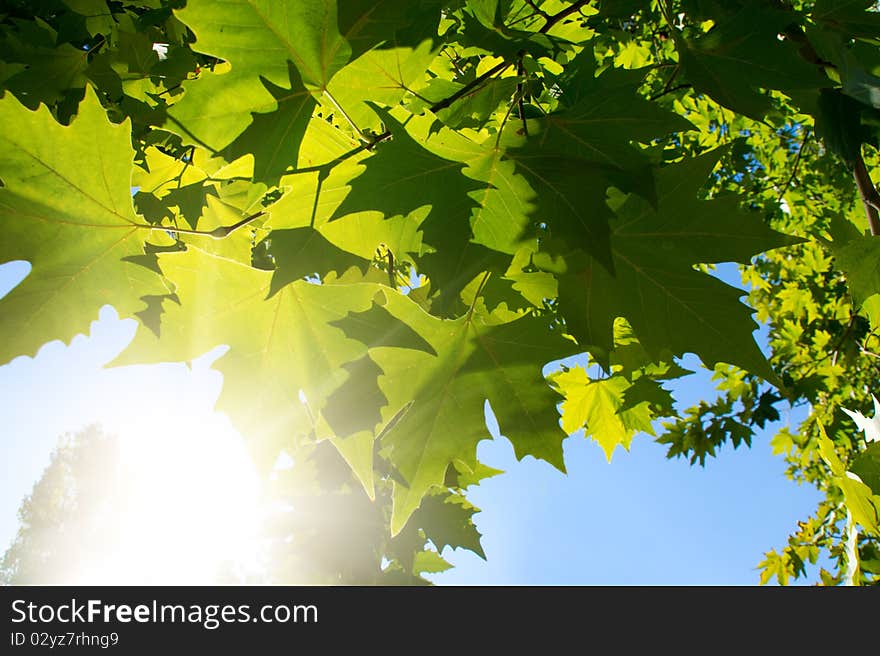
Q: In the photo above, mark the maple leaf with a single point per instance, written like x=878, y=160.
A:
x=743, y=53
x=601, y=117
x=669, y=304
x=599, y=406
x=852, y=17
x=859, y=258
x=276, y=50
x=571, y=156
x=443, y=395
x=405, y=178
x=75, y=224
x=284, y=358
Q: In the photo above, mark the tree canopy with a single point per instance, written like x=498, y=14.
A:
x=394, y=211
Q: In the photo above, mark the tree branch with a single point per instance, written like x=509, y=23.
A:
x=543, y=14
x=520, y=103
x=565, y=13
x=868, y=192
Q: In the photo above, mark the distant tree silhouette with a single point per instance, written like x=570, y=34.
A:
x=63, y=520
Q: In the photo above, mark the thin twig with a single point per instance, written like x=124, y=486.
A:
x=470, y=86
x=797, y=161
x=842, y=338
x=503, y=123
x=871, y=353
x=220, y=232
x=446, y=102
x=668, y=84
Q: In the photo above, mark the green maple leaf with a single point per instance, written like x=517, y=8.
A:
x=443, y=395
x=569, y=199
x=601, y=118
x=243, y=112
x=571, y=156
x=669, y=304
x=375, y=328
x=284, y=357
x=405, y=178
x=66, y=208
x=485, y=30
x=281, y=52
x=447, y=520
x=263, y=35
x=429, y=562
x=852, y=17
x=866, y=466
x=742, y=54
x=599, y=406
x=260, y=39
x=316, y=194
x=275, y=132
x=859, y=259
x=304, y=252
x=382, y=76
x=51, y=71
x=366, y=23
x=858, y=497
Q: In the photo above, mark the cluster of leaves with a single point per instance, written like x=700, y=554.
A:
x=392, y=211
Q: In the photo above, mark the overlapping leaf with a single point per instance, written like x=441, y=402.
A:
x=743, y=54
x=66, y=208
x=669, y=304
x=284, y=357
x=598, y=406
x=441, y=396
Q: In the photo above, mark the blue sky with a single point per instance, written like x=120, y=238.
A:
x=640, y=520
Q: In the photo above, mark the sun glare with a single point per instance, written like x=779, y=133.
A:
x=189, y=506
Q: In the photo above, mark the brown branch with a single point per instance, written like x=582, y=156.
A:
x=520, y=103
x=543, y=14
x=565, y=13
x=868, y=192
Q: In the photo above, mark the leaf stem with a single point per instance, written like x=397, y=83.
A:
x=482, y=284
x=851, y=552
x=217, y=233
x=466, y=89
x=565, y=13
x=361, y=136
x=666, y=10
x=446, y=102
x=392, y=282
